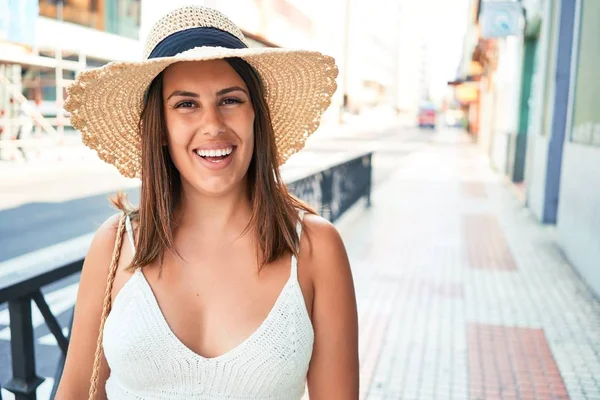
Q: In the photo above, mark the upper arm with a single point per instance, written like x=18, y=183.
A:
x=334, y=369
x=75, y=381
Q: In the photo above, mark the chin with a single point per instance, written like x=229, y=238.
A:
x=217, y=188
x=214, y=183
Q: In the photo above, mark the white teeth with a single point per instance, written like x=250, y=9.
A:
x=215, y=153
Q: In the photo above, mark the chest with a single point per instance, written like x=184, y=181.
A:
x=213, y=309
x=145, y=351
x=213, y=299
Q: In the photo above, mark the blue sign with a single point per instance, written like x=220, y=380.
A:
x=500, y=19
x=17, y=21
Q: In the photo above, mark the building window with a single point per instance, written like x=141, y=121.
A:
x=121, y=17
x=586, y=121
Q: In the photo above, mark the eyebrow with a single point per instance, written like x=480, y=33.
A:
x=221, y=92
x=183, y=93
x=231, y=89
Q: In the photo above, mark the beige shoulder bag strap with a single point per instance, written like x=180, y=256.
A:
x=106, y=306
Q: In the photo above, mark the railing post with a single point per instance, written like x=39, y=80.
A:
x=326, y=194
x=368, y=163
x=51, y=321
x=24, y=381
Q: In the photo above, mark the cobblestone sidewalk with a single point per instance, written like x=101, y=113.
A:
x=461, y=294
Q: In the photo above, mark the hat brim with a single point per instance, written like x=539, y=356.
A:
x=106, y=103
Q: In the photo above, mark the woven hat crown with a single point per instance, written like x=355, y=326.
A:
x=189, y=17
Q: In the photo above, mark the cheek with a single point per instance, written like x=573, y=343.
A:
x=178, y=133
x=250, y=149
x=249, y=137
x=246, y=127
x=177, y=139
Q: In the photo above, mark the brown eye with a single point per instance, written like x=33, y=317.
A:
x=185, y=104
x=231, y=100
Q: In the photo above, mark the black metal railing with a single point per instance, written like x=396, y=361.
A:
x=333, y=190
x=330, y=191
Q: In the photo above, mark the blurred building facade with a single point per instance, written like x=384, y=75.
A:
x=43, y=45
x=373, y=54
x=579, y=180
x=534, y=111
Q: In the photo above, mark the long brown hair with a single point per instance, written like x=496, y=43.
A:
x=274, y=209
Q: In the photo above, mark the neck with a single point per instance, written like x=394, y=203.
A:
x=215, y=215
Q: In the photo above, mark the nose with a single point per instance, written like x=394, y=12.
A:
x=212, y=122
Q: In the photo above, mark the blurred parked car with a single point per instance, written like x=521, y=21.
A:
x=427, y=116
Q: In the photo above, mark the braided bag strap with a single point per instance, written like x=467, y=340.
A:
x=106, y=306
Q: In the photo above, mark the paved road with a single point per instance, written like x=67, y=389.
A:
x=38, y=225
x=35, y=225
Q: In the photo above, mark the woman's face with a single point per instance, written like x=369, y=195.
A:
x=210, y=120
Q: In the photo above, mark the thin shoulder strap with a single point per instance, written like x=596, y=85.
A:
x=106, y=306
x=294, y=271
x=129, y=229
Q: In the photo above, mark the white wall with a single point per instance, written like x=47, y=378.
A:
x=578, y=223
x=486, y=115
x=93, y=43
x=536, y=181
x=507, y=105
x=537, y=141
x=579, y=210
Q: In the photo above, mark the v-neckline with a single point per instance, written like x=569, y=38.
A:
x=236, y=349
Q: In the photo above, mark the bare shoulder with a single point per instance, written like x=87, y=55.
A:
x=106, y=234
x=322, y=244
x=323, y=253
x=102, y=243
x=102, y=246
x=99, y=257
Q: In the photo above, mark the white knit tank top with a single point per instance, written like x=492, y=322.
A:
x=147, y=361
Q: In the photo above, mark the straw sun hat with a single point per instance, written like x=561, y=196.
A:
x=106, y=103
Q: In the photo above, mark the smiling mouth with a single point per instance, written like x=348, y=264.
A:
x=216, y=155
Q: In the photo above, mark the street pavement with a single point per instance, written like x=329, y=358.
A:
x=461, y=293
x=70, y=199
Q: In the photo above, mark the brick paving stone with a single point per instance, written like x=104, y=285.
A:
x=474, y=189
x=512, y=363
x=421, y=299
x=485, y=244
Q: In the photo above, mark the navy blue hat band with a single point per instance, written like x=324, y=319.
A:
x=195, y=37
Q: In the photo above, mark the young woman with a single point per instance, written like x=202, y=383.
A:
x=223, y=286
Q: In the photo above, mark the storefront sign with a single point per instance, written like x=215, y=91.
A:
x=500, y=19
x=467, y=92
